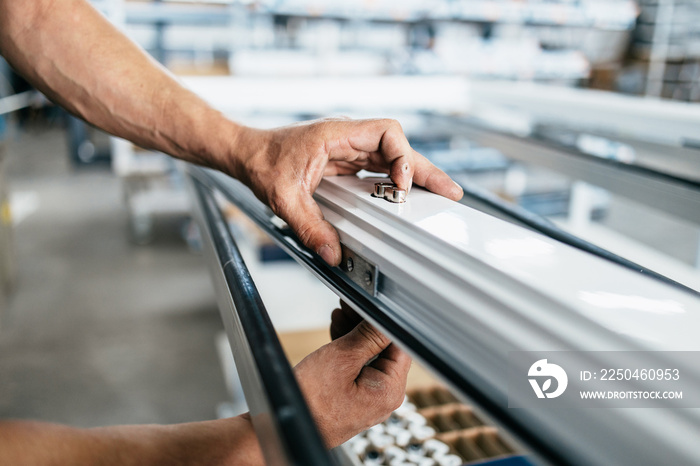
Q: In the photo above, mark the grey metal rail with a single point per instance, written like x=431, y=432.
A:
x=281, y=418
x=495, y=312
x=399, y=325
x=672, y=194
x=16, y=102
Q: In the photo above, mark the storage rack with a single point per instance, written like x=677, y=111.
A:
x=616, y=15
x=612, y=19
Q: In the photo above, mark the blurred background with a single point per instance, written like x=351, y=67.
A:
x=575, y=115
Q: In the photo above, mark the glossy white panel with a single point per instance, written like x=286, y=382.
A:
x=653, y=314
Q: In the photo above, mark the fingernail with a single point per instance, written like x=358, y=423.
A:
x=460, y=190
x=410, y=185
x=326, y=252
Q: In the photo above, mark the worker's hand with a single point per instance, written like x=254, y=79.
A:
x=285, y=166
x=343, y=320
x=345, y=391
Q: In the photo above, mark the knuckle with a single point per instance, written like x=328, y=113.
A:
x=394, y=124
x=385, y=402
x=397, y=397
x=324, y=126
x=372, y=336
x=279, y=202
x=318, y=138
x=428, y=180
x=345, y=363
x=305, y=231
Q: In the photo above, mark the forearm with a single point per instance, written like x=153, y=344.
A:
x=81, y=61
x=223, y=442
x=70, y=52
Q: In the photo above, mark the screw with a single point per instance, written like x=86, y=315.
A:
x=368, y=278
x=349, y=264
x=380, y=188
x=398, y=196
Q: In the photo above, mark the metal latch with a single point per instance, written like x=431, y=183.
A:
x=390, y=192
x=359, y=270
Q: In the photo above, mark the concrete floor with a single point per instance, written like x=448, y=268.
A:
x=100, y=331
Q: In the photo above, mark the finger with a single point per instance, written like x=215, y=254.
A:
x=306, y=219
x=397, y=152
x=343, y=320
x=435, y=180
x=401, y=173
x=345, y=168
x=361, y=344
x=394, y=362
x=393, y=353
x=387, y=374
x=338, y=325
x=350, y=313
x=347, y=308
x=387, y=139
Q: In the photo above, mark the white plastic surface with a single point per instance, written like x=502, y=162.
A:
x=478, y=288
x=651, y=313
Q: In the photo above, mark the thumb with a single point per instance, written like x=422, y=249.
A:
x=306, y=219
x=435, y=180
x=362, y=343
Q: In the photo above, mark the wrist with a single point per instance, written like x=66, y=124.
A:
x=244, y=146
x=200, y=134
x=224, y=442
x=248, y=451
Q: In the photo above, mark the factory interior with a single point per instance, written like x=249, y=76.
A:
x=573, y=128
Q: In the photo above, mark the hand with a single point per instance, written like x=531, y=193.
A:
x=286, y=166
x=347, y=395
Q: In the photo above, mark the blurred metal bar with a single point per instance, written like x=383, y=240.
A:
x=282, y=421
x=169, y=13
x=607, y=113
x=671, y=194
x=16, y=102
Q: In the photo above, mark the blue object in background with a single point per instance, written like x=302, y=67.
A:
x=510, y=461
x=3, y=127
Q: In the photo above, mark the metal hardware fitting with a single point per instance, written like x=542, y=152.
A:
x=359, y=270
x=390, y=192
